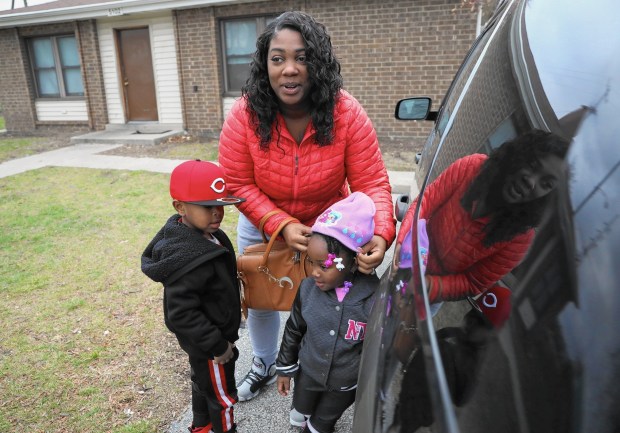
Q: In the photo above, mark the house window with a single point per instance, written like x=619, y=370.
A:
x=56, y=67
x=239, y=43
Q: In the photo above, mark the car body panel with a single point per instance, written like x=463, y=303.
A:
x=554, y=365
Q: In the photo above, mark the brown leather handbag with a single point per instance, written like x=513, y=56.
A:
x=270, y=272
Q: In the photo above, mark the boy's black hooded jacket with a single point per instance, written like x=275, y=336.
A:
x=201, y=293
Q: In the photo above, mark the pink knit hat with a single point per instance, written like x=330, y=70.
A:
x=406, y=254
x=351, y=221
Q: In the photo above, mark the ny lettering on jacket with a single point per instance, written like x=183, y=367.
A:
x=356, y=331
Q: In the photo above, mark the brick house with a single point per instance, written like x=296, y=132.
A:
x=88, y=64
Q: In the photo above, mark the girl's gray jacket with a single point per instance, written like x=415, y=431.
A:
x=323, y=336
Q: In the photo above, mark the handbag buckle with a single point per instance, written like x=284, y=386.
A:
x=279, y=281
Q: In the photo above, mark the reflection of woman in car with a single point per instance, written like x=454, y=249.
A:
x=481, y=211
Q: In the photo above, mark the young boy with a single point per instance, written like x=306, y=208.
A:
x=195, y=262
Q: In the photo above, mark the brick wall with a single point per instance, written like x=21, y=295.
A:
x=392, y=49
x=200, y=60
x=197, y=59
x=492, y=97
x=18, y=110
x=389, y=49
x=92, y=74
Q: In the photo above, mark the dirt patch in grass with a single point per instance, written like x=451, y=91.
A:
x=179, y=147
x=14, y=146
x=398, y=154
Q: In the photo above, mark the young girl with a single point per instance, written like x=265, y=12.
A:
x=322, y=341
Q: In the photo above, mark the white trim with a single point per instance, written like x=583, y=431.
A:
x=523, y=77
x=104, y=10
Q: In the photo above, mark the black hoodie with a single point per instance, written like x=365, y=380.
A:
x=201, y=293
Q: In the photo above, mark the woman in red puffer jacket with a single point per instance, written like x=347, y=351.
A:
x=481, y=213
x=297, y=142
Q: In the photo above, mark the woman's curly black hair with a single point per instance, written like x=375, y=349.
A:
x=509, y=220
x=323, y=72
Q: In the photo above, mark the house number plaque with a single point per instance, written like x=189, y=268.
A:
x=115, y=12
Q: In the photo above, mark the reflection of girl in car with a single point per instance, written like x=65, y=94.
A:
x=481, y=212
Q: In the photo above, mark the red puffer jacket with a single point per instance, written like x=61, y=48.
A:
x=303, y=180
x=459, y=265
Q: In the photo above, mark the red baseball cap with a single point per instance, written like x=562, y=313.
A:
x=200, y=182
x=494, y=304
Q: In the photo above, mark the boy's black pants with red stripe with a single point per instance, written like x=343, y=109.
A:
x=214, y=392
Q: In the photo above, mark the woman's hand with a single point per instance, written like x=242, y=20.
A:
x=297, y=236
x=284, y=385
x=371, y=255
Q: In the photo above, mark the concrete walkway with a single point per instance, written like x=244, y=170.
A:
x=85, y=156
x=268, y=412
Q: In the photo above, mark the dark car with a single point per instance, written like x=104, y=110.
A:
x=552, y=364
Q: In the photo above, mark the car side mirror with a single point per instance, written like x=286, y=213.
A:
x=400, y=207
x=415, y=109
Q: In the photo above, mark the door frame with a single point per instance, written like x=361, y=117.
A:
x=120, y=66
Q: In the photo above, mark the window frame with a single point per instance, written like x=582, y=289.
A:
x=58, y=67
x=261, y=22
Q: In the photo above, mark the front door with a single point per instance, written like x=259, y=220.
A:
x=136, y=68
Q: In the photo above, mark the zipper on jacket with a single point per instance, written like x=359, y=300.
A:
x=295, y=178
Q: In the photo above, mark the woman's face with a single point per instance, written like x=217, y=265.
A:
x=287, y=69
x=533, y=180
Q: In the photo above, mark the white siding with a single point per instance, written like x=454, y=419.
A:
x=109, y=65
x=166, y=72
x=227, y=104
x=163, y=52
x=61, y=110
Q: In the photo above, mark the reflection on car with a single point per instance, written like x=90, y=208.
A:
x=528, y=342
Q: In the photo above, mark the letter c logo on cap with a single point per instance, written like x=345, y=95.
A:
x=218, y=185
x=493, y=302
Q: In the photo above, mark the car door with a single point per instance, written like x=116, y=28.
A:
x=552, y=366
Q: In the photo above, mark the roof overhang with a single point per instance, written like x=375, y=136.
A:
x=105, y=10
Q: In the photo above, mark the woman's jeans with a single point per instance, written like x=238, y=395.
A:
x=263, y=325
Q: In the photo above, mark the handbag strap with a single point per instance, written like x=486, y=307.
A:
x=274, y=235
x=263, y=220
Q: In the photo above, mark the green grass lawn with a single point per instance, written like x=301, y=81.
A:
x=84, y=347
x=14, y=147
x=2, y=122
